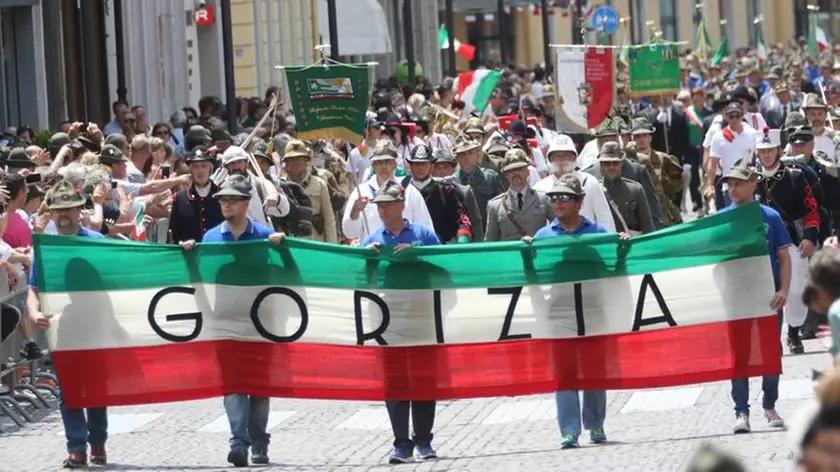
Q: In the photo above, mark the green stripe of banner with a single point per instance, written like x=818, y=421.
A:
x=67, y=264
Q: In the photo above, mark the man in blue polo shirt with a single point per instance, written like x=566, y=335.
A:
x=400, y=234
x=247, y=414
x=82, y=426
x=566, y=197
x=742, y=182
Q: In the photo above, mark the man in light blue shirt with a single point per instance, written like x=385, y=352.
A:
x=398, y=233
x=741, y=181
x=247, y=414
x=566, y=197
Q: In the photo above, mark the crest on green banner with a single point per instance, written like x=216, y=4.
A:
x=329, y=101
x=654, y=69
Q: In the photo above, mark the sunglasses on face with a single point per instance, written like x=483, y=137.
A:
x=734, y=116
x=561, y=197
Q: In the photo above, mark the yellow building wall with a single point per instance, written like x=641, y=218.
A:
x=778, y=25
x=294, y=30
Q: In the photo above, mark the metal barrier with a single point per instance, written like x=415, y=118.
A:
x=25, y=386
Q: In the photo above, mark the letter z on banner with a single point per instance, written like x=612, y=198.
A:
x=140, y=323
x=585, y=86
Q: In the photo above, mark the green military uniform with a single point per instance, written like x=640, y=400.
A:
x=485, y=183
x=323, y=214
x=626, y=198
x=660, y=167
x=494, y=155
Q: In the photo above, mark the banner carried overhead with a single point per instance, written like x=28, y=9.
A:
x=585, y=85
x=329, y=100
x=302, y=319
x=654, y=69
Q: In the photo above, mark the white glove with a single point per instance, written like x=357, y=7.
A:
x=662, y=117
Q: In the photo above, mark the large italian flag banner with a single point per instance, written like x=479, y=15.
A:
x=138, y=323
x=585, y=86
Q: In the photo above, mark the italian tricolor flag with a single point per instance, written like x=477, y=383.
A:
x=467, y=51
x=684, y=305
x=138, y=233
x=476, y=87
x=761, y=46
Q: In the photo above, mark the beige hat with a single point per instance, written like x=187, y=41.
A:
x=296, y=148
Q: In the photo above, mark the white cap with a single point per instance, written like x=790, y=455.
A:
x=770, y=138
x=234, y=154
x=562, y=143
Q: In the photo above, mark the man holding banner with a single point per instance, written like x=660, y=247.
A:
x=82, y=426
x=741, y=182
x=566, y=196
x=247, y=414
x=401, y=234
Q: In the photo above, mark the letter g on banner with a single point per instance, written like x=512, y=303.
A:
x=199, y=321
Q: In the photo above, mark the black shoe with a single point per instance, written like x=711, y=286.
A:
x=259, y=457
x=30, y=351
x=794, y=342
x=238, y=456
x=808, y=334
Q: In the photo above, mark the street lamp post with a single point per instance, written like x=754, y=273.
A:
x=227, y=52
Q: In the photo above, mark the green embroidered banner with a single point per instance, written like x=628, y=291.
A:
x=654, y=69
x=329, y=100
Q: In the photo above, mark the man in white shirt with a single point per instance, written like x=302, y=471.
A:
x=733, y=143
x=362, y=219
x=266, y=201
x=562, y=155
x=824, y=139
x=754, y=120
x=358, y=161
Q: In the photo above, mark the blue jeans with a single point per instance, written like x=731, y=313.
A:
x=569, y=412
x=248, y=417
x=83, y=426
x=769, y=386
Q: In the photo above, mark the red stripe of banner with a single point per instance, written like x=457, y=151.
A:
x=193, y=370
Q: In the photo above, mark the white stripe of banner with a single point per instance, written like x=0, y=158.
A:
x=706, y=294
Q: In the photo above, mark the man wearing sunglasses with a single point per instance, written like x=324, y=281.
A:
x=734, y=142
x=566, y=197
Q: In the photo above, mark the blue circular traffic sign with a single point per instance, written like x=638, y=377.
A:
x=605, y=19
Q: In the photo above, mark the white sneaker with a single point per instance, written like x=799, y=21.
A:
x=742, y=424
x=773, y=419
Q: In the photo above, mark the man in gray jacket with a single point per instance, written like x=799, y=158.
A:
x=638, y=173
x=520, y=211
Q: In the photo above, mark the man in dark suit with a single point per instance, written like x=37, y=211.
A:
x=664, y=113
x=194, y=210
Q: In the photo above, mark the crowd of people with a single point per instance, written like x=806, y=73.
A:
x=428, y=172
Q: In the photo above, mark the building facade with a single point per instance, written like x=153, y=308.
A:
x=476, y=23
x=70, y=59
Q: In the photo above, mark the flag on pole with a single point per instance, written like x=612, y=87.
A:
x=722, y=51
x=760, y=45
x=467, y=51
x=704, y=43
x=138, y=233
x=476, y=87
x=816, y=38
